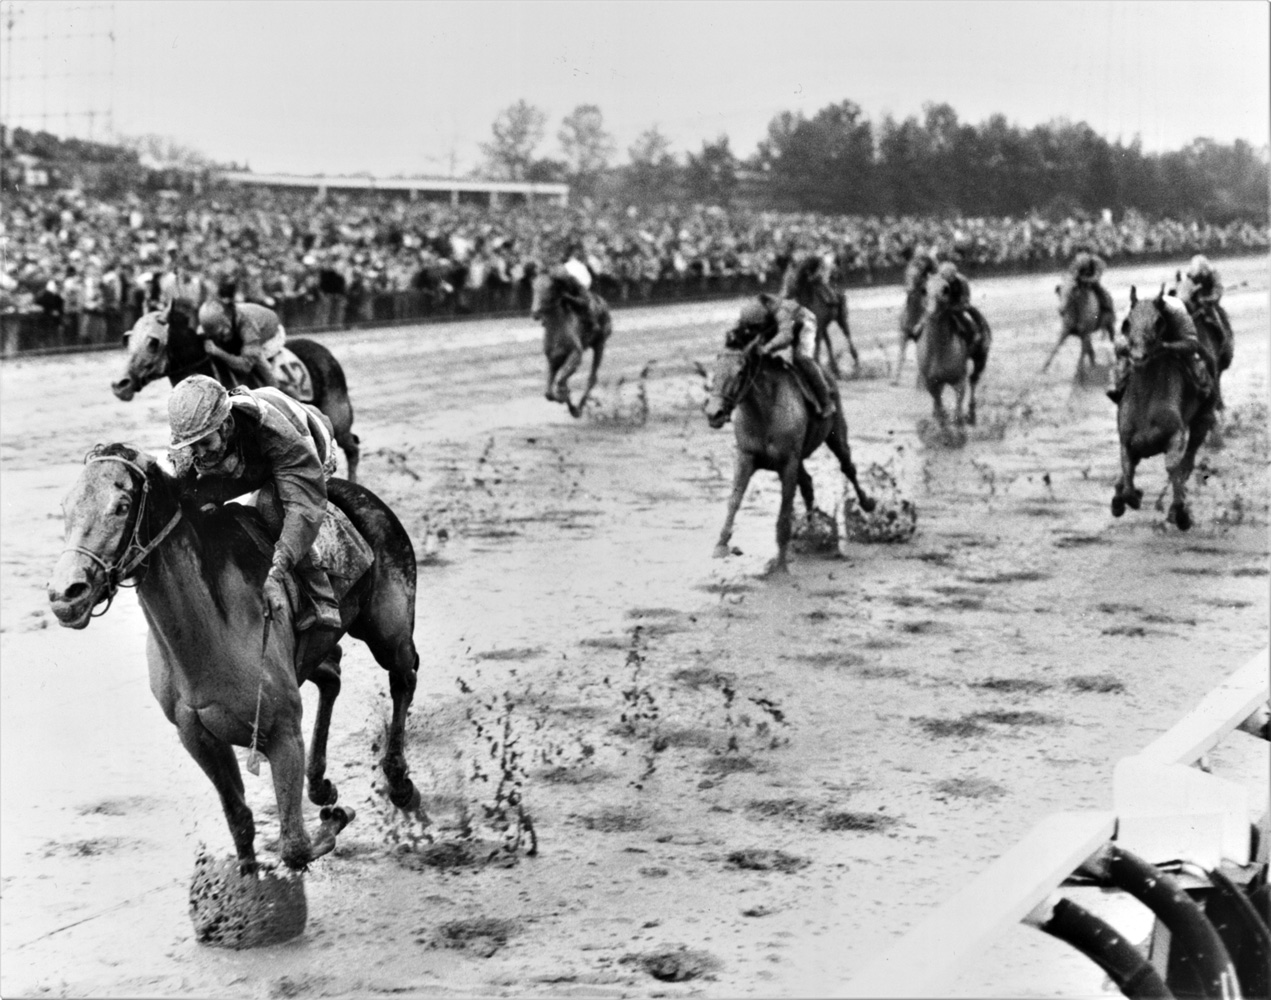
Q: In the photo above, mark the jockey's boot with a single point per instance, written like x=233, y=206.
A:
x=324, y=610
x=968, y=328
x=815, y=377
x=1105, y=299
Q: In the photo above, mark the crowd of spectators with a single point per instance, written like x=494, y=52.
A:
x=76, y=255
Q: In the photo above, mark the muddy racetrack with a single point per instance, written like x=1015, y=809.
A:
x=740, y=786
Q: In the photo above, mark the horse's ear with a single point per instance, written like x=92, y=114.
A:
x=93, y=452
x=162, y=315
x=1134, y=296
x=1160, y=298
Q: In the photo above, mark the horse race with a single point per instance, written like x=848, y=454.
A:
x=499, y=501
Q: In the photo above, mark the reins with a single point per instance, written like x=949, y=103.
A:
x=749, y=374
x=133, y=554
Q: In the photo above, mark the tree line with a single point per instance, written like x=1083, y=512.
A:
x=838, y=161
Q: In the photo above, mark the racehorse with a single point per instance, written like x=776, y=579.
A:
x=1080, y=316
x=1212, y=323
x=911, y=314
x=944, y=354
x=224, y=674
x=828, y=306
x=1161, y=411
x=775, y=430
x=565, y=337
x=165, y=343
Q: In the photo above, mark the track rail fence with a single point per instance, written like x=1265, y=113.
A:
x=1165, y=809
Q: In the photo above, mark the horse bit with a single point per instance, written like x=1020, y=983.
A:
x=124, y=565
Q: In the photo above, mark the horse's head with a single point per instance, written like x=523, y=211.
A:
x=147, y=344
x=728, y=382
x=102, y=513
x=1146, y=324
x=546, y=295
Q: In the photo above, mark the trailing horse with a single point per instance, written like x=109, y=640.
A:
x=1080, y=316
x=944, y=354
x=224, y=674
x=1162, y=410
x=566, y=336
x=165, y=343
x=828, y=306
x=775, y=429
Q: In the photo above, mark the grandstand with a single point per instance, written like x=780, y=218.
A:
x=453, y=190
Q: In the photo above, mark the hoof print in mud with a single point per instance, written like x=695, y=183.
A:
x=480, y=936
x=763, y=859
x=674, y=965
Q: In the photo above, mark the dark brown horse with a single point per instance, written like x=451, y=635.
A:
x=944, y=354
x=775, y=430
x=566, y=336
x=223, y=675
x=165, y=343
x=911, y=314
x=828, y=306
x=1080, y=316
x=1162, y=411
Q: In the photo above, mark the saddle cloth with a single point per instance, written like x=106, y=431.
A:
x=292, y=375
x=805, y=390
x=341, y=551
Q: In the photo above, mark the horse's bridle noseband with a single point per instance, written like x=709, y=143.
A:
x=746, y=378
x=132, y=554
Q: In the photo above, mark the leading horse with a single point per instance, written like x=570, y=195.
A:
x=775, y=430
x=1080, y=316
x=1162, y=410
x=165, y=343
x=224, y=674
x=945, y=351
x=566, y=336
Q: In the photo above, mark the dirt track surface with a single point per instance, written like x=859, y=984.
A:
x=740, y=785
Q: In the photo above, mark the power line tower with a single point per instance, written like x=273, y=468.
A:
x=59, y=67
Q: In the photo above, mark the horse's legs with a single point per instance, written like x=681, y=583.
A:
x=900, y=357
x=597, y=352
x=743, y=469
x=327, y=679
x=1063, y=335
x=1087, y=351
x=805, y=489
x=560, y=388
x=1124, y=494
x=340, y=412
x=841, y=316
x=785, y=516
x=836, y=441
x=286, y=754
x=221, y=766
x=1180, y=459
x=823, y=337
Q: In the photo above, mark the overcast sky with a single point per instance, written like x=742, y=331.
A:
x=405, y=87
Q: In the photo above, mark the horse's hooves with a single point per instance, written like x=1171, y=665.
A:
x=1135, y=499
x=721, y=552
x=406, y=798
x=777, y=567
x=326, y=794
x=1182, y=518
x=868, y=504
x=1118, y=506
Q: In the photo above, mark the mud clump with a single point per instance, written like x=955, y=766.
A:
x=230, y=909
x=482, y=936
x=1096, y=683
x=970, y=788
x=816, y=534
x=951, y=727
x=1019, y=685
x=894, y=518
x=614, y=821
x=862, y=822
x=728, y=765
x=449, y=855
x=764, y=859
x=674, y=965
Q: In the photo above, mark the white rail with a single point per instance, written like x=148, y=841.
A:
x=927, y=959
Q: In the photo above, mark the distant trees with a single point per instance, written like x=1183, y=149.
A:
x=838, y=161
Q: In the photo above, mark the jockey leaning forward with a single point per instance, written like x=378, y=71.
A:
x=1087, y=270
x=777, y=324
x=1201, y=289
x=810, y=279
x=957, y=299
x=227, y=444
x=1202, y=366
x=575, y=279
x=245, y=336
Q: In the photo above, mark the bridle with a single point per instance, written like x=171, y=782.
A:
x=132, y=554
x=745, y=378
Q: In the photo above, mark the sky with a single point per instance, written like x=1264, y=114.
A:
x=412, y=88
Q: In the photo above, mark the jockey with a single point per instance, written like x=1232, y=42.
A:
x=809, y=280
x=228, y=444
x=921, y=266
x=1204, y=367
x=1202, y=289
x=245, y=336
x=779, y=323
x=1086, y=270
x=958, y=300
x=576, y=282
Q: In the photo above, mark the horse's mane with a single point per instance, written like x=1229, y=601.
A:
x=231, y=534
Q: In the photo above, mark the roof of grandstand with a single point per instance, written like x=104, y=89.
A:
x=555, y=192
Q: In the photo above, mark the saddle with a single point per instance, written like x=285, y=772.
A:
x=292, y=375
x=805, y=390
x=340, y=551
